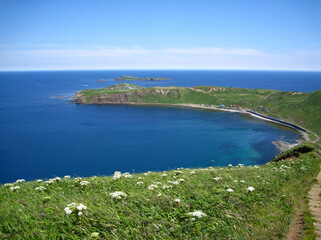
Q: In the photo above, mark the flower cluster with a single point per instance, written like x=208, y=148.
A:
x=217, y=179
x=84, y=183
x=198, y=214
x=40, y=188
x=20, y=181
x=75, y=208
x=14, y=188
x=118, y=175
x=250, y=189
x=118, y=194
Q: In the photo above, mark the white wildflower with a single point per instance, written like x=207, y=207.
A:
x=181, y=180
x=84, y=183
x=75, y=208
x=127, y=175
x=236, y=181
x=256, y=166
x=166, y=186
x=117, y=175
x=175, y=182
x=159, y=195
x=230, y=190
x=250, y=189
x=198, y=214
x=118, y=194
x=152, y=187
x=20, y=181
x=39, y=180
x=192, y=172
x=14, y=188
x=159, y=183
x=81, y=206
x=140, y=178
x=49, y=182
x=67, y=177
x=40, y=188
x=77, y=179
x=177, y=200
x=68, y=210
x=240, y=165
x=230, y=166
x=217, y=179
x=164, y=175
x=140, y=183
x=242, y=181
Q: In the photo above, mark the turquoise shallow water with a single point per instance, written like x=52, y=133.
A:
x=42, y=137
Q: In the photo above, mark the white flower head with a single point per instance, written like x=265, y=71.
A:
x=40, y=188
x=242, y=181
x=250, y=189
x=39, y=180
x=117, y=175
x=198, y=214
x=140, y=183
x=127, y=175
x=230, y=166
x=79, y=213
x=118, y=194
x=159, y=194
x=230, y=190
x=84, y=183
x=192, y=172
x=14, y=188
x=78, y=179
x=68, y=210
x=152, y=187
x=81, y=207
x=164, y=175
x=20, y=181
x=217, y=179
x=67, y=177
x=181, y=180
x=177, y=200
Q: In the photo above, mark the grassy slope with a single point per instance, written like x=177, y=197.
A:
x=304, y=109
x=153, y=214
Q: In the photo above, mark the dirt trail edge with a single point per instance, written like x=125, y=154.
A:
x=315, y=204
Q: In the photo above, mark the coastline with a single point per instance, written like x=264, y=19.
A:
x=283, y=146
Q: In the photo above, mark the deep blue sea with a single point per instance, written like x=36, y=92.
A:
x=43, y=137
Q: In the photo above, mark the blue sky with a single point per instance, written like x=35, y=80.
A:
x=174, y=34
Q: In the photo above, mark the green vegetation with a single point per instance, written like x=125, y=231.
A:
x=131, y=78
x=157, y=205
x=303, y=109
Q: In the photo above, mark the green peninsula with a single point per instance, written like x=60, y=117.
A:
x=131, y=78
x=303, y=109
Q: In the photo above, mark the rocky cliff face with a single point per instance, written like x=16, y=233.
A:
x=111, y=98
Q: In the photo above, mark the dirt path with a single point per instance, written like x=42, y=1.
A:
x=315, y=204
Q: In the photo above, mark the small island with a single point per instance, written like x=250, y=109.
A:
x=131, y=78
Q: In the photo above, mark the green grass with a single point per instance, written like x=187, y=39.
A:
x=302, y=109
x=265, y=213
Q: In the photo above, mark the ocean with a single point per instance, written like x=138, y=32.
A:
x=43, y=136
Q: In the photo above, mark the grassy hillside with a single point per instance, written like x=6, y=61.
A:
x=301, y=108
x=227, y=203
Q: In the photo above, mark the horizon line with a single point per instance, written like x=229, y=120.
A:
x=160, y=69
